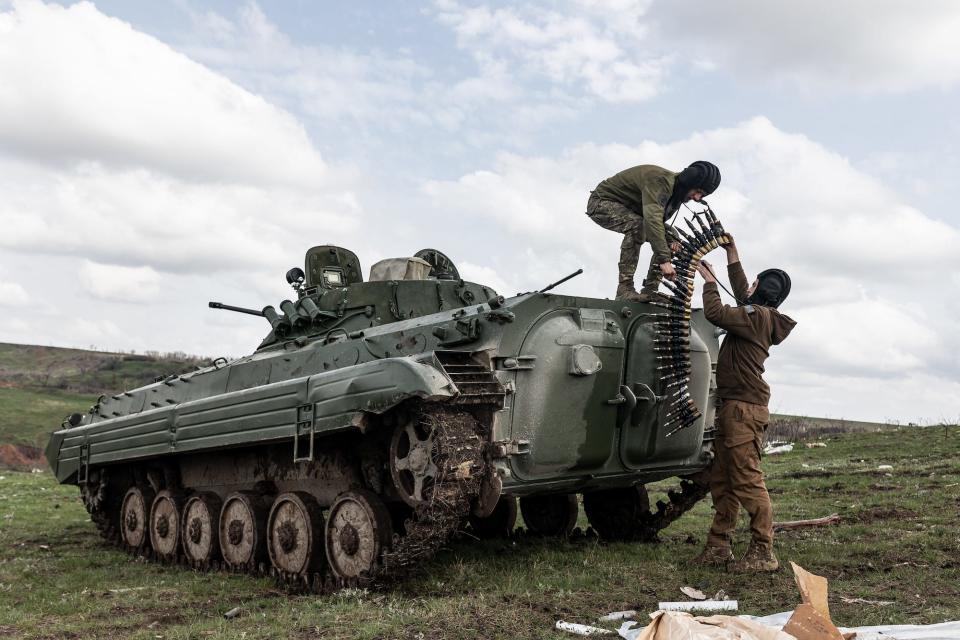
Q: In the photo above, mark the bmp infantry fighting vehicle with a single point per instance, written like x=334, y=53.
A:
x=377, y=417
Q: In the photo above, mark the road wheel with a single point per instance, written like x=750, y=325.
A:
x=618, y=514
x=358, y=531
x=550, y=515
x=165, y=523
x=412, y=465
x=135, y=517
x=201, y=530
x=500, y=523
x=295, y=532
x=243, y=529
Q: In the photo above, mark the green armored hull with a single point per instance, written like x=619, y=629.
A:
x=378, y=417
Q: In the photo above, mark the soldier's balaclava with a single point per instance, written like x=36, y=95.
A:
x=701, y=175
x=772, y=290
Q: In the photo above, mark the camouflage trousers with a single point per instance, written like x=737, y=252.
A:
x=616, y=217
x=736, y=478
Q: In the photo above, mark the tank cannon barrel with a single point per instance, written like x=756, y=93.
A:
x=230, y=307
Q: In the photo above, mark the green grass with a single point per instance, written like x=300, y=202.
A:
x=78, y=370
x=39, y=386
x=898, y=541
x=27, y=416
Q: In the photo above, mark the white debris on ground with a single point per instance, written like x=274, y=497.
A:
x=616, y=616
x=809, y=621
x=668, y=625
x=772, y=450
x=694, y=594
x=885, y=467
x=582, y=629
x=941, y=631
x=815, y=445
x=699, y=605
x=674, y=624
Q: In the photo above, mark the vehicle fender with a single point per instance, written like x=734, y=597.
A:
x=373, y=387
x=331, y=401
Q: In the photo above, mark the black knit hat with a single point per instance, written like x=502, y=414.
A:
x=700, y=175
x=772, y=289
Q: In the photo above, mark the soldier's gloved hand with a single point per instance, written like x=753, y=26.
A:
x=666, y=268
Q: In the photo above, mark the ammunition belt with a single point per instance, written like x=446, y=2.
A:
x=673, y=326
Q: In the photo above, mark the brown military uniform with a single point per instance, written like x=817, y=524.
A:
x=634, y=202
x=736, y=478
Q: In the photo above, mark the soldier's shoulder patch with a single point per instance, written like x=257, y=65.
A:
x=749, y=308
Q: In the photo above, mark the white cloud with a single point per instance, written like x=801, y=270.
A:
x=120, y=284
x=865, y=45
x=142, y=173
x=12, y=294
x=129, y=153
x=864, y=264
x=580, y=48
x=112, y=94
x=627, y=50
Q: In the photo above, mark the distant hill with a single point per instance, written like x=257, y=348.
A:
x=39, y=386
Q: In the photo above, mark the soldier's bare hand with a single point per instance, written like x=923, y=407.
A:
x=674, y=246
x=706, y=270
x=666, y=268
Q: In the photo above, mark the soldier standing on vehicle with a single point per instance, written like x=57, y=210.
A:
x=637, y=203
x=743, y=415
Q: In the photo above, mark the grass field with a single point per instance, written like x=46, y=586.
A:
x=898, y=542
x=40, y=386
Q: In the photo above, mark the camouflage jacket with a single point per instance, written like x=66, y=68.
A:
x=646, y=190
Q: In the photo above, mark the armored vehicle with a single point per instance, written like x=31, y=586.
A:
x=377, y=417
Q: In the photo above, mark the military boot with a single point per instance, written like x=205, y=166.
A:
x=627, y=292
x=714, y=557
x=758, y=558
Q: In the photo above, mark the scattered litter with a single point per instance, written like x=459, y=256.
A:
x=885, y=467
x=233, y=613
x=833, y=518
x=629, y=614
x=720, y=595
x=45, y=547
x=807, y=623
x=879, y=603
x=127, y=589
x=770, y=450
x=695, y=594
x=702, y=605
x=813, y=589
x=815, y=445
x=582, y=629
x=669, y=625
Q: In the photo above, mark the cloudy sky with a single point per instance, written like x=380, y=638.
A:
x=154, y=156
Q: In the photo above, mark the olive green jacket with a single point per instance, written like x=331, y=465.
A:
x=646, y=190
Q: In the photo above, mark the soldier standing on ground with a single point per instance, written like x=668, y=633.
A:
x=637, y=203
x=742, y=419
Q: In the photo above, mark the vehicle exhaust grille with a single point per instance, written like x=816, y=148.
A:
x=476, y=383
